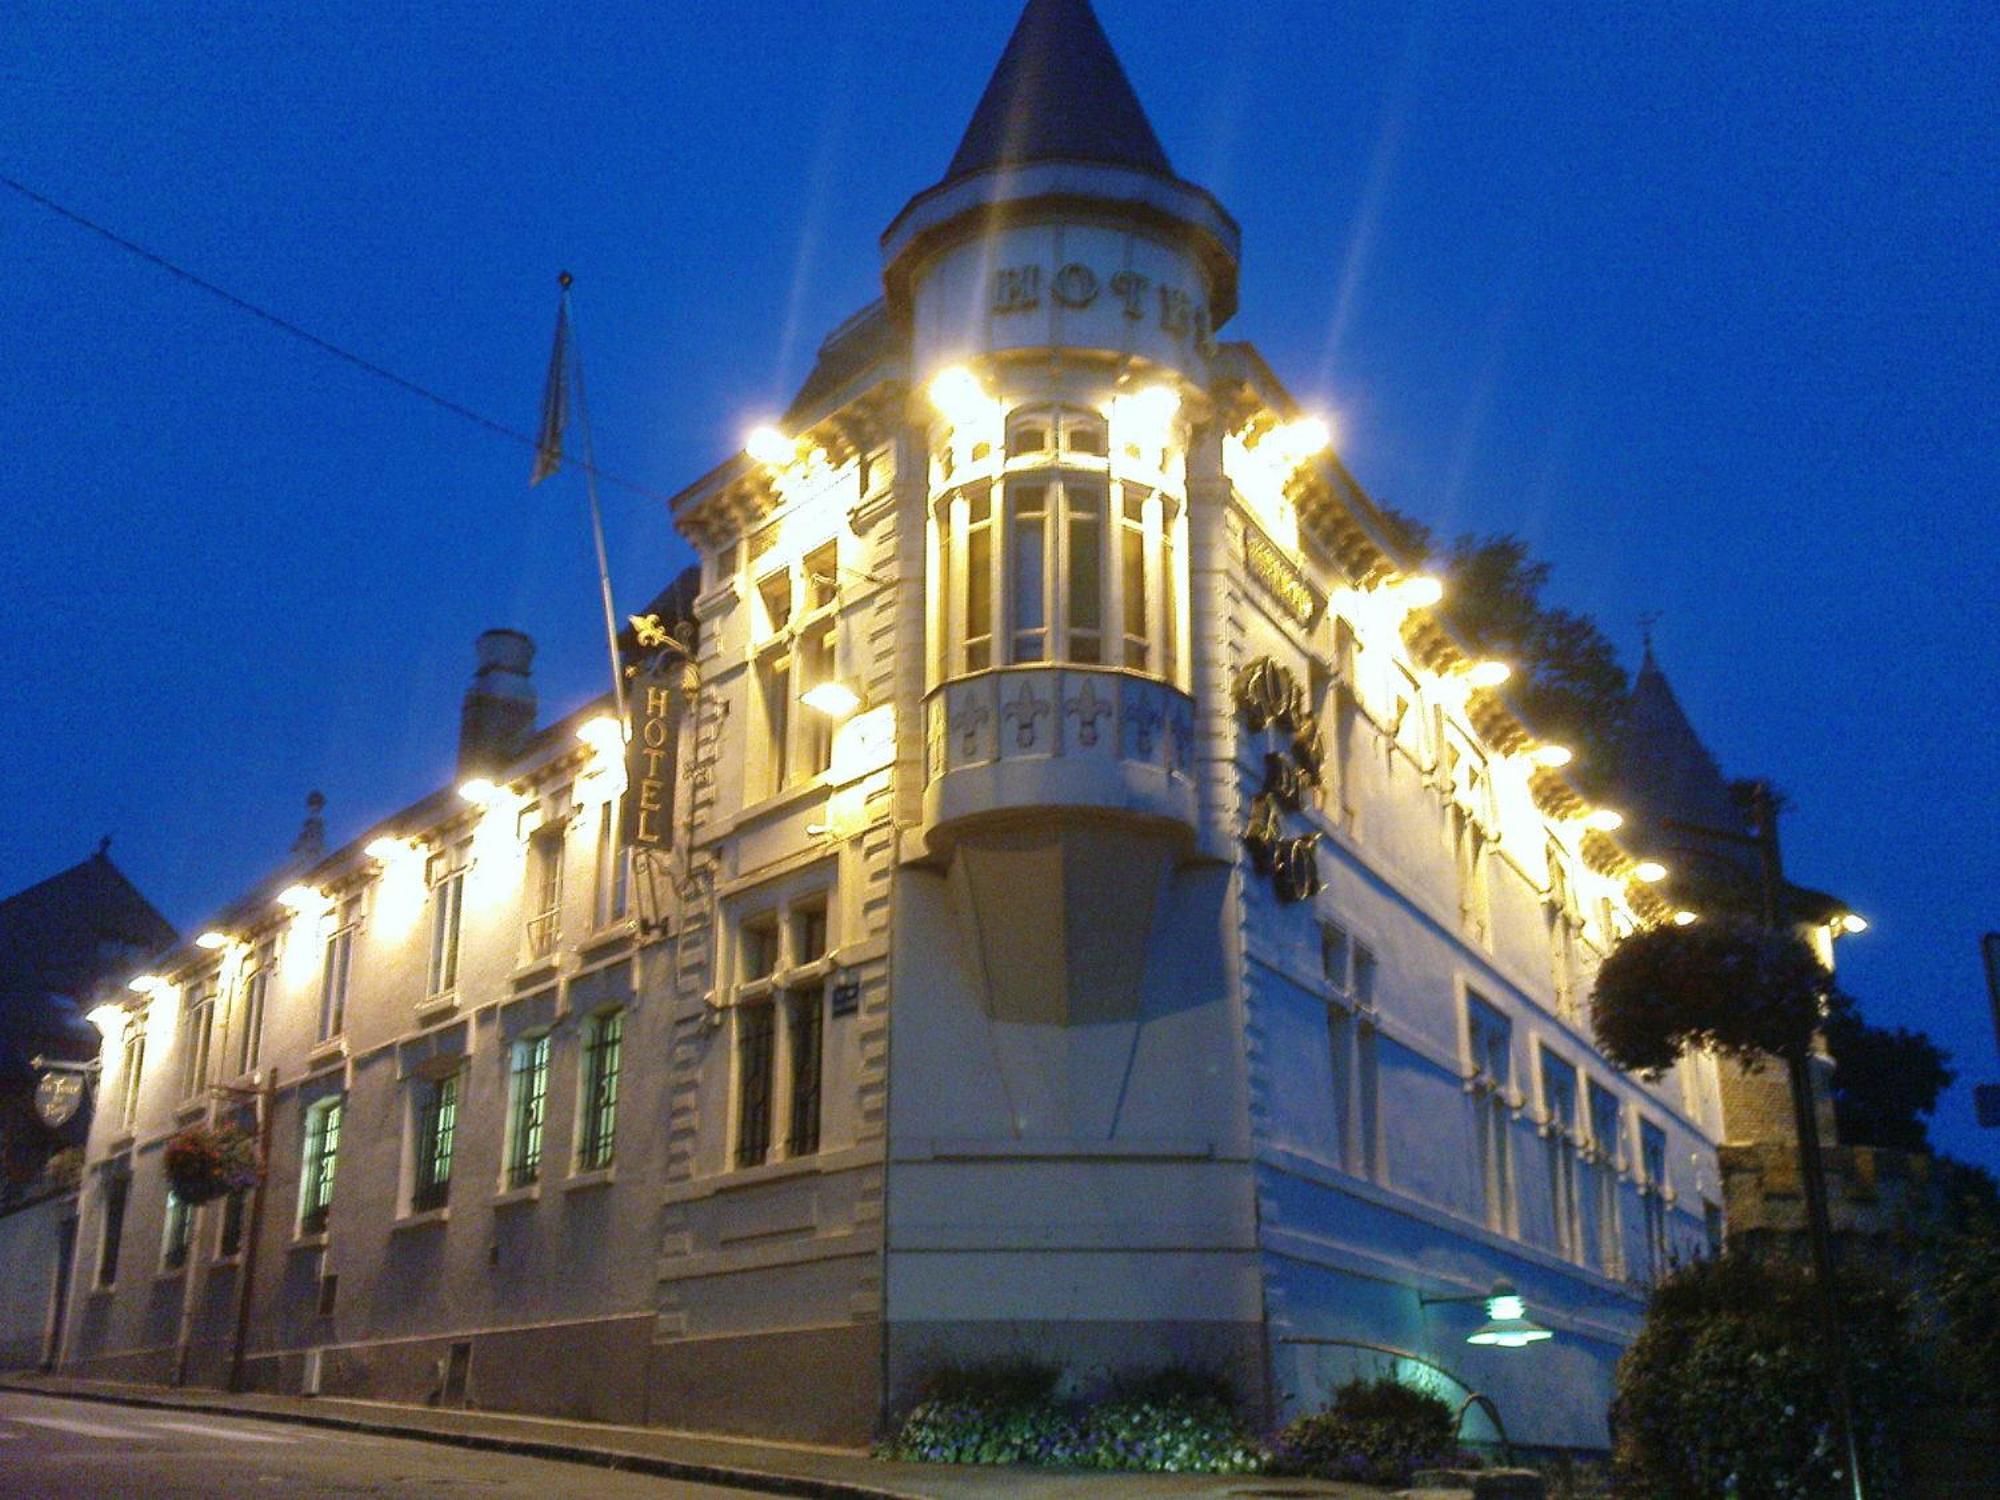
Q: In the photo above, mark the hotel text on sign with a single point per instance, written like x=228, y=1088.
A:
x=649, y=762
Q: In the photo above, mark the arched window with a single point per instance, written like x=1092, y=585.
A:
x=1058, y=560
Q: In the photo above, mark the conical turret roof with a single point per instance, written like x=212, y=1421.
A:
x=1668, y=771
x=1058, y=94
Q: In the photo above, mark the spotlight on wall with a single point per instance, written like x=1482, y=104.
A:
x=958, y=395
x=1649, y=871
x=1418, y=590
x=1298, y=440
x=1603, y=820
x=480, y=792
x=1685, y=919
x=604, y=734
x=1487, y=674
x=107, y=1018
x=212, y=940
x=145, y=984
x=1851, y=922
x=769, y=446
x=833, y=698
x=1551, y=757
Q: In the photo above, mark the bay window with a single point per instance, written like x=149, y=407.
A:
x=1059, y=560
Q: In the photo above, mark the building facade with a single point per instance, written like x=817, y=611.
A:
x=1102, y=914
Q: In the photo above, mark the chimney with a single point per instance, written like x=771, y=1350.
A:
x=311, y=842
x=499, y=711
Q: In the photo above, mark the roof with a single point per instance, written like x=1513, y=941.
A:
x=1664, y=769
x=1058, y=93
x=62, y=935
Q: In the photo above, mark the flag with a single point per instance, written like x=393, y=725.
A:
x=555, y=402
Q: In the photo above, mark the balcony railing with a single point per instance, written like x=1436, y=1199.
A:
x=1058, y=736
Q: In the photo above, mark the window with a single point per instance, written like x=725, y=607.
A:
x=447, y=913
x=544, y=891
x=131, y=1067
x=1561, y=1137
x=602, y=1049
x=1469, y=855
x=1606, y=1153
x=256, y=989
x=755, y=1054
x=322, y=1155
x=230, y=1241
x=774, y=693
x=610, y=897
x=1491, y=1038
x=1349, y=968
x=1077, y=567
x=338, y=962
x=760, y=948
x=437, y=1132
x=527, y=1102
x=197, y=1035
x=817, y=664
x=1346, y=715
x=179, y=1232
x=805, y=1015
x=1560, y=911
x=1653, y=1170
x=117, y=1189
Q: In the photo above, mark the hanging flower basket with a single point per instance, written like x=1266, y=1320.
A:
x=206, y=1162
x=1723, y=983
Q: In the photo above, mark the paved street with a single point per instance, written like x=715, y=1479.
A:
x=52, y=1449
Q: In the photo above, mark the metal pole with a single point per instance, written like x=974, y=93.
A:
x=1812, y=1162
x=253, y=1231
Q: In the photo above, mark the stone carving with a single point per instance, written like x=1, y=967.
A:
x=1087, y=708
x=1025, y=711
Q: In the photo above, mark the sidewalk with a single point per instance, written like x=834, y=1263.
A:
x=775, y=1468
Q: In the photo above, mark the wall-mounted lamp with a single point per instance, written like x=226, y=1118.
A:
x=1507, y=1324
x=1603, y=820
x=1849, y=922
x=1487, y=674
x=1649, y=872
x=1551, y=757
x=145, y=984
x=1685, y=919
x=212, y=940
x=107, y=1018
x=769, y=446
x=300, y=898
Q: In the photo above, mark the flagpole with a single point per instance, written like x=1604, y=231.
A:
x=596, y=512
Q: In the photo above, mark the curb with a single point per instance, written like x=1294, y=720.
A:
x=687, y=1470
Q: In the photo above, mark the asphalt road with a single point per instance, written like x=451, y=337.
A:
x=51, y=1449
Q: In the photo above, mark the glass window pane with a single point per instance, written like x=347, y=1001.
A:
x=1030, y=601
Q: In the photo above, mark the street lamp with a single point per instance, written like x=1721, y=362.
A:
x=1507, y=1324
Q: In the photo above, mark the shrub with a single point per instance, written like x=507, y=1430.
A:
x=1007, y=1412
x=1728, y=1389
x=1375, y=1431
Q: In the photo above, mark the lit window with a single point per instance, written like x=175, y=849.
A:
x=805, y=1017
x=256, y=990
x=760, y=948
x=1349, y=969
x=179, y=1232
x=755, y=1054
x=131, y=1067
x=611, y=892
x=334, y=970
x=544, y=890
x=322, y=1155
x=197, y=1035
x=528, y=1088
x=1653, y=1169
x=447, y=914
x=436, y=1136
x=603, y=1048
x=774, y=693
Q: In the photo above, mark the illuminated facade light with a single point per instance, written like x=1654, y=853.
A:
x=1603, y=820
x=1298, y=440
x=958, y=395
x=212, y=940
x=604, y=734
x=1851, y=922
x=1551, y=757
x=145, y=984
x=833, y=698
x=1487, y=674
x=1649, y=871
x=299, y=898
x=769, y=446
x=1419, y=590
x=383, y=850
x=480, y=792
x=1685, y=919
x=107, y=1018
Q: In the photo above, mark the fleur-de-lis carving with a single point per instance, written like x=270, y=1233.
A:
x=1025, y=710
x=1087, y=708
x=1143, y=718
x=972, y=715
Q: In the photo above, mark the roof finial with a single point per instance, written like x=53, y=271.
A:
x=104, y=847
x=1646, y=623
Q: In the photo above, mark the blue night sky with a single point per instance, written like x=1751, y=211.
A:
x=1698, y=298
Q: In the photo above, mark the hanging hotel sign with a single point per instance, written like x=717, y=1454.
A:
x=647, y=813
x=1272, y=703
x=57, y=1097
x=1280, y=577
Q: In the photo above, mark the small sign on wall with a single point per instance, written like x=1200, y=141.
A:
x=846, y=997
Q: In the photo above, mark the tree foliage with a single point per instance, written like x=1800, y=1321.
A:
x=1569, y=683
x=1722, y=983
x=1885, y=1083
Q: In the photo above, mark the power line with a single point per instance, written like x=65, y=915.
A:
x=325, y=346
